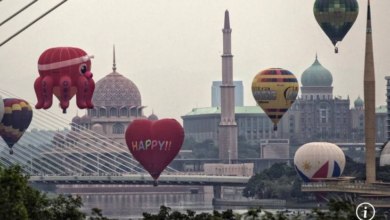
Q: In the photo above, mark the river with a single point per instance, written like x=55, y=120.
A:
x=131, y=206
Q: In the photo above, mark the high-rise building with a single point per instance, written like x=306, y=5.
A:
x=227, y=127
x=216, y=93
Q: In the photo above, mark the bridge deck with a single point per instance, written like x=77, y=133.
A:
x=359, y=188
x=140, y=179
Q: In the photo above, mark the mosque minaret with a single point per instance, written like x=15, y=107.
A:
x=227, y=127
x=369, y=101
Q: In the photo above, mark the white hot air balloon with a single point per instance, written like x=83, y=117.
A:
x=385, y=156
x=319, y=160
x=1, y=108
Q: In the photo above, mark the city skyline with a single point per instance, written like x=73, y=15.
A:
x=142, y=60
x=153, y=62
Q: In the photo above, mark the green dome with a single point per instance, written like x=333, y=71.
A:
x=359, y=102
x=316, y=75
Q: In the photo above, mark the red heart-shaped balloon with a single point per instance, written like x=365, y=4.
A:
x=154, y=144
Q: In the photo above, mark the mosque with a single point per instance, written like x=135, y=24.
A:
x=117, y=103
x=317, y=115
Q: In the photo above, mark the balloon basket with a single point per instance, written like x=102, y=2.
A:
x=64, y=111
x=155, y=183
x=275, y=127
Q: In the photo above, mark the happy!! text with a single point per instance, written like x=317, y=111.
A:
x=153, y=144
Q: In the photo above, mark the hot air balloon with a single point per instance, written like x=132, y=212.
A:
x=154, y=144
x=64, y=72
x=17, y=117
x=319, y=160
x=1, y=108
x=275, y=90
x=336, y=17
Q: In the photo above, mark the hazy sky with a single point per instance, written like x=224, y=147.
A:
x=171, y=49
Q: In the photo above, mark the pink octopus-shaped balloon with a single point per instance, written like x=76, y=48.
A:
x=64, y=72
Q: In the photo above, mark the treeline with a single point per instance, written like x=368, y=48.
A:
x=280, y=181
x=208, y=149
x=20, y=201
x=337, y=210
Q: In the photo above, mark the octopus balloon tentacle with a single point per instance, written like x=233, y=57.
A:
x=65, y=88
x=39, y=93
x=91, y=89
x=82, y=90
x=47, y=89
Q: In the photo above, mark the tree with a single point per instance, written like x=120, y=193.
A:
x=13, y=186
x=37, y=205
x=353, y=168
x=228, y=214
x=268, y=216
x=296, y=191
x=18, y=200
x=97, y=214
x=246, y=149
x=67, y=207
x=254, y=213
x=263, y=185
x=205, y=149
x=179, y=216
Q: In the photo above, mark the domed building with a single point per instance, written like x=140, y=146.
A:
x=316, y=82
x=153, y=117
x=359, y=103
x=117, y=102
x=317, y=115
x=357, y=118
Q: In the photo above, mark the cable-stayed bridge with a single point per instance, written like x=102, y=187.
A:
x=81, y=156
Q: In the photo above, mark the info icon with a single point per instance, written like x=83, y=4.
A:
x=365, y=211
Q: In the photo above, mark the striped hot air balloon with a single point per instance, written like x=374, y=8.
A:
x=275, y=90
x=1, y=108
x=17, y=117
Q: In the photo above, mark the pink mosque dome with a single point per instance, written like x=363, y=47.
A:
x=153, y=117
x=116, y=90
x=98, y=128
x=85, y=119
x=76, y=119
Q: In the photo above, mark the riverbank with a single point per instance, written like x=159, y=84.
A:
x=266, y=203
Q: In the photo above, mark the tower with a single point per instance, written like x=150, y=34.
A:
x=228, y=126
x=369, y=102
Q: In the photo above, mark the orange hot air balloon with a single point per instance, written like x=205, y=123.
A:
x=275, y=90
